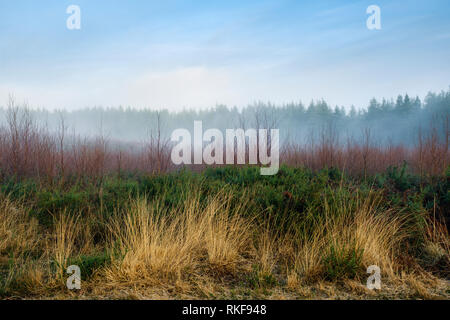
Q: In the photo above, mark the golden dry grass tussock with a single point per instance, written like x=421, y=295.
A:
x=152, y=245
x=18, y=232
x=361, y=229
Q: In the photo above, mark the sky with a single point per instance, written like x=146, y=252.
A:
x=199, y=53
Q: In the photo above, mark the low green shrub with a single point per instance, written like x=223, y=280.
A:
x=342, y=263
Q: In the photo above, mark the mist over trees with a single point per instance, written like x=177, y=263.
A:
x=398, y=121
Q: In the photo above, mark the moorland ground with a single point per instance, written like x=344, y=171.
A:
x=227, y=233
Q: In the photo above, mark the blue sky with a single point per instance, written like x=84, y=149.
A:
x=195, y=54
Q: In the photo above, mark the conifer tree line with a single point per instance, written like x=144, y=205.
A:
x=397, y=121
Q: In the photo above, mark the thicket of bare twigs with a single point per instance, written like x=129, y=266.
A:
x=29, y=150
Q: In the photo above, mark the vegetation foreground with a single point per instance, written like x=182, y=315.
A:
x=227, y=233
